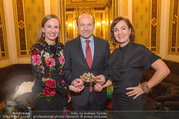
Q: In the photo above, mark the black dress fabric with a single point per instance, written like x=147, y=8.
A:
x=126, y=66
x=47, y=62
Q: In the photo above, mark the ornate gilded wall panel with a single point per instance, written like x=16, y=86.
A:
x=174, y=28
x=99, y=24
x=146, y=22
x=69, y=26
x=28, y=15
x=3, y=39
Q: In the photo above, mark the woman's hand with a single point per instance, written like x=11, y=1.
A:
x=74, y=89
x=45, y=79
x=135, y=91
x=69, y=98
x=78, y=83
x=98, y=87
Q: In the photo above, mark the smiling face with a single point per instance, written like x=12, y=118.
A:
x=85, y=25
x=121, y=33
x=51, y=30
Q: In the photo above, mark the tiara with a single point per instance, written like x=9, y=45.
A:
x=88, y=77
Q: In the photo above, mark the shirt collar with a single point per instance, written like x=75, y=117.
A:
x=91, y=39
x=46, y=44
x=126, y=46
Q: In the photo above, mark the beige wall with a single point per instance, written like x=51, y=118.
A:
x=11, y=41
x=11, y=38
x=164, y=33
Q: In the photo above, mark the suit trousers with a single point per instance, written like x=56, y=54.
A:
x=91, y=105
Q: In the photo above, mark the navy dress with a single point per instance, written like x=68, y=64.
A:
x=47, y=62
x=126, y=66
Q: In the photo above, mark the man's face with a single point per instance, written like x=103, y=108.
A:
x=85, y=26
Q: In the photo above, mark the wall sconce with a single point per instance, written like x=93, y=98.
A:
x=104, y=23
x=69, y=24
x=98, y=24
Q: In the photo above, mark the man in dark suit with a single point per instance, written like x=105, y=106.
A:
x=77, y=63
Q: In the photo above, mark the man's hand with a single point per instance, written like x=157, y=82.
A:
x=100, y=79
x=78, y=83
x=98, y=87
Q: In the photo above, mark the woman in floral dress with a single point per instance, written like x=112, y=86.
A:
x=49, y=89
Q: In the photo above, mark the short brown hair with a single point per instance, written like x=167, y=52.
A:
x=127, y=21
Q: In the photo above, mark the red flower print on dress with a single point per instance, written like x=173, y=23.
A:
x=35, y=52
x=48, y=92
x=50, y=62
x=61, y=60
x=64, y=113
x=48, y=74
x=61, y=72
x=50, y=83
x=63, y=81
x=36, y=60
x=45, y=63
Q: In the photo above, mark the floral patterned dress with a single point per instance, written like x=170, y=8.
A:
x=47, y=62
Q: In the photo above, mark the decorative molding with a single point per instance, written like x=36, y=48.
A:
x=27, y=18
x=146, y=22
x=3, y=38
x=87, y=3
x=173, y=28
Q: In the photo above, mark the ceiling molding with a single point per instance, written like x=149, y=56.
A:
x=98, y=4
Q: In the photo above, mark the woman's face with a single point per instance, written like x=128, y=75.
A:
x=51, y=30
x=121, y=33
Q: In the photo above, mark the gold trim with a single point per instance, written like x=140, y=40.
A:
x=175, y=21
x=62, y=17
x=157, y=24
x=116, y=8
x=21, y=27
x=154, y=22
x=170, y=27
x=171, y=23
x=3, y=26
x=16, y=27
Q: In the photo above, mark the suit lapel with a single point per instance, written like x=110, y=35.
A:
x=80, y=51
x=95, y=51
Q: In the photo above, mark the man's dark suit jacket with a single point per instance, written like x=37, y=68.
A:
x=76, y=65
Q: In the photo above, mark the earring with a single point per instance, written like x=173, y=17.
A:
x=43, y=34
